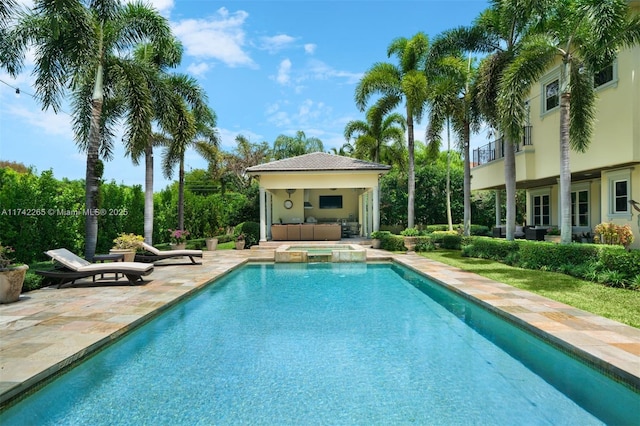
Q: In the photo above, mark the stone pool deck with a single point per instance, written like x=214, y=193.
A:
x=51, y=328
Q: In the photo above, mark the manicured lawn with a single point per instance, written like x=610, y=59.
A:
x=614, y=303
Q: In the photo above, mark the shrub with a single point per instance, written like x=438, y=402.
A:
x=410, y=232
x=425, y=243
x=618, y=259
x=612, y=234
x=490, y=248
x=452, y=242
x=392, y=243
x=535, y=254
x=438, y=236
x=480, y=230
x=379, y=235
x=251, y=232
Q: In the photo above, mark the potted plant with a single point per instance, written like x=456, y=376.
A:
x=410, y=238
x=376, y=238
x=240, y=242
x=127, y=245
x=11, y=276
x=552, y=235
x=178, y=238
x=210, y=237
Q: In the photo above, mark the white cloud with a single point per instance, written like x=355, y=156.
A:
x=220, y=37
x=163, y=6
x=198, y=69
x=276, y=43
x=310, y=48
x=228, y=138
x=50, y=122
x=318, y=70
x=284, y=72
x=308, y=114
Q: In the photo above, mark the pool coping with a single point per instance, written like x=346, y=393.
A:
x=50, y=329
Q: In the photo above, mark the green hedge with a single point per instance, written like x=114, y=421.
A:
x=251, y=231
x=608, y=265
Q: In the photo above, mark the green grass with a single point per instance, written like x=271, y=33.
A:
x=613, y=303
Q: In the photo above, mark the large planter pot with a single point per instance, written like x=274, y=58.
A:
x=375, y=243
x=129, y=254
x=212, y=243
x=240, y=245
x=410, y=243
x=180, y=246
x=552, y=238
x=11, y=280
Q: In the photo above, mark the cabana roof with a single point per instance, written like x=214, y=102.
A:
x=317, y=161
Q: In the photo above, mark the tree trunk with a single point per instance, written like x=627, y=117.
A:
x=510, y=184
x=448, y=189
x=467, y=181
x=92, y=181
x=181, y=194
x=411, y=178
x=148, y=194
x=565, y=171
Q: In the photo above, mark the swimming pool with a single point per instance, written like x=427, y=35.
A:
x=334, y=343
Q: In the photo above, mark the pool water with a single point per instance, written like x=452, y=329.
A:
x=327, y=344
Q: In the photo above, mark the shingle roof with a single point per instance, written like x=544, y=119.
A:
x=317, y=161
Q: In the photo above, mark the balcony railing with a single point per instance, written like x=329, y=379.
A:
x=495, y=150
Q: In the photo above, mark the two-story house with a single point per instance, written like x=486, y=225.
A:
x=605, y=180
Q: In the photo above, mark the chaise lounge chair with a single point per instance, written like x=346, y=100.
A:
x=152, y=254
x=71, y=267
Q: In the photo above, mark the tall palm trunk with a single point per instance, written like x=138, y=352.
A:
x=565, y=171
x=467, y=180
x=412, y=174
x=510, y=184
x=181, y=194
x=448, y=190
x=148, y=194
x=92, y=181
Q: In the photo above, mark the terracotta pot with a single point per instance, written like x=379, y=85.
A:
x=129, y=255
x=240, y=245
x=11, y=280
x=212, y=243
x=375, y=243
x=180, y=246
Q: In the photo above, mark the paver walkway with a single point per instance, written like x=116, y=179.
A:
x=50, y=328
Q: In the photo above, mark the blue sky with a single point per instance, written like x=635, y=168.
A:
x=268, y=68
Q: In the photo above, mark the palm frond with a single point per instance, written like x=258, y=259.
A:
x=382, y=78
x=582, y=109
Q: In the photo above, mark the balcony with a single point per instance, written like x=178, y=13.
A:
x=495, y=150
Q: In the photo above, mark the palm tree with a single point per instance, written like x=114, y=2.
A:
x=8, y=55
x=585, y=37
x=407, y=82
x=371, y=136
x=155, y=63
x=498, y=32
x=287, y=146
x=452, y=103
x=83, y=45
x=193, y=123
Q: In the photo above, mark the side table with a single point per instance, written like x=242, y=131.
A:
x=107, y=257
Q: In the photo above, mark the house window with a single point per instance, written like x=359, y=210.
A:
x=580, y=208
x=606, y=77
x=603, y=77
x=551, y=95
x=620, y=196
x=619, y=193
x=541, y=210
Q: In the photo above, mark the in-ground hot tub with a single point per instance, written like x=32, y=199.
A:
x=302, y=253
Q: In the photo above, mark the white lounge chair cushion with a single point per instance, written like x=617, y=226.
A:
x=76, y=263
x=184, y=252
